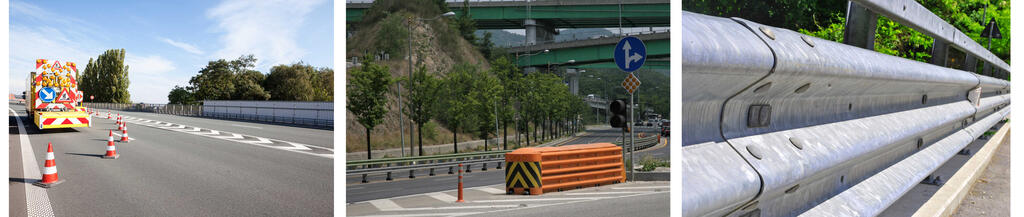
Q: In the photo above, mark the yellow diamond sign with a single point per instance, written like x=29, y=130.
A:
x=631, y=83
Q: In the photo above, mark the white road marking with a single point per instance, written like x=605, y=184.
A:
x=563, y=203
x=36, y=199
x=424, y=214
x=538, y=199
x=235, y=137
x=385, y=205
x=443, y=197
x=490, y=190
x=603, y=193
x=643, y=187
x=239, y=125
x=117, y=137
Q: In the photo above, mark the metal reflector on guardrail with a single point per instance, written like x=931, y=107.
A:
x=544, y=169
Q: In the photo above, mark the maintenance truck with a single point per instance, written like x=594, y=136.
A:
x=53, y=99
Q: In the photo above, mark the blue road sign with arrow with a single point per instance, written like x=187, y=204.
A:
x=47, y=94
x=630, y=54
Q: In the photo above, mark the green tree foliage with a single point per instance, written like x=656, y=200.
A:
x=510, y=79
x=180, y=95
x=464, y=23
x=366, y=96
x=322, y=81
x=237, y=80
x=790, y=14
x=455, y=102
x=421, y=100
x=392, y=38
x=106, y=78
x=825, y=19
x=291, y=83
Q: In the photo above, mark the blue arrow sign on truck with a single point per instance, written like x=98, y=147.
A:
x=630, y=54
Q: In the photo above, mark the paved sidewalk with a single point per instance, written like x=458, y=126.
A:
x=990, y=195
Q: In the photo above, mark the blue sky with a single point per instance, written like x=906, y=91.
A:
x=168, y=42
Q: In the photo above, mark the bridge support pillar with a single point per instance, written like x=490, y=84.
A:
x=860, y=26
x=538, y=33
x=573, y=76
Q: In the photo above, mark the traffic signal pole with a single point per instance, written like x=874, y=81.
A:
x=632, y=176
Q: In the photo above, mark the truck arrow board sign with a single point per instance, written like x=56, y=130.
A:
x=630, y=54
x=47, y=94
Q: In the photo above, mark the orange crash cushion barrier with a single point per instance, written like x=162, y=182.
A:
x=545, y=169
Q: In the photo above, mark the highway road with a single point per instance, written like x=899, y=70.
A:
x=175, y=166
x=624, y=199
x=377, y=188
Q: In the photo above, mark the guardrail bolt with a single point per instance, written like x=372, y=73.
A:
x=754, y=151
x=412, y=175
x=485, y=167
x=364, y=178
x=431, y=171
x=389, y=176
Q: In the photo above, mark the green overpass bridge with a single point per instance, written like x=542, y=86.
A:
x=591, y=53
x=541, y=19
x=559, y=14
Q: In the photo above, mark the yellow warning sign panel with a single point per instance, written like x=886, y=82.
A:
x=522, y=175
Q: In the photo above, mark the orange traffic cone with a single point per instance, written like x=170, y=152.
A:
x=111, y=150
x=124, y=135
x=50, y=170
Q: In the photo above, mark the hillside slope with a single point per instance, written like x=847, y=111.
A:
x=436, y=46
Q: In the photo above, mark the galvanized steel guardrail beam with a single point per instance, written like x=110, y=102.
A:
x=916, y=16
x=778, y=122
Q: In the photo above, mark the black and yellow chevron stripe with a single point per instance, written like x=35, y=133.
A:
x=522, y=174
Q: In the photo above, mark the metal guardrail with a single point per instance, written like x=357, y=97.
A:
x=782, y=124
x=208, y=111
x=390, y=166
x=916, y=16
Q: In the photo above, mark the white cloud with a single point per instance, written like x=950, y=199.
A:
x=67, y=39
x=184, y=46
x=151, y=65
x=266, y=29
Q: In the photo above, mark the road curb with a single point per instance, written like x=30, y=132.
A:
x=653, y=176
x=947, y=199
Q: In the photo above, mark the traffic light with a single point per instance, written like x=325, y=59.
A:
x=619, y=113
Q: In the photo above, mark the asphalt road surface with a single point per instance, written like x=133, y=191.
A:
x=377, y=188
x=255, y=170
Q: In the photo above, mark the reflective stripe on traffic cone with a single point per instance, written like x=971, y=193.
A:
x=49, y=170
x=124, y=135
x=111, y=150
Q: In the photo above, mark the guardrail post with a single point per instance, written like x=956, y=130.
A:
x=450, y=168
x=431, y=171
x=389, y=176
x=469, y=168
x=364, y=179
x=939, y=51
x=499, y=166
x=412, y=175
x=485, y=167
x=460, y=185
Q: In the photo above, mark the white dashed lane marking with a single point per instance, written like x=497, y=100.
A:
x=235, y=137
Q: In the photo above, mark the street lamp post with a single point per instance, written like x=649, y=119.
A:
x=401, y=121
